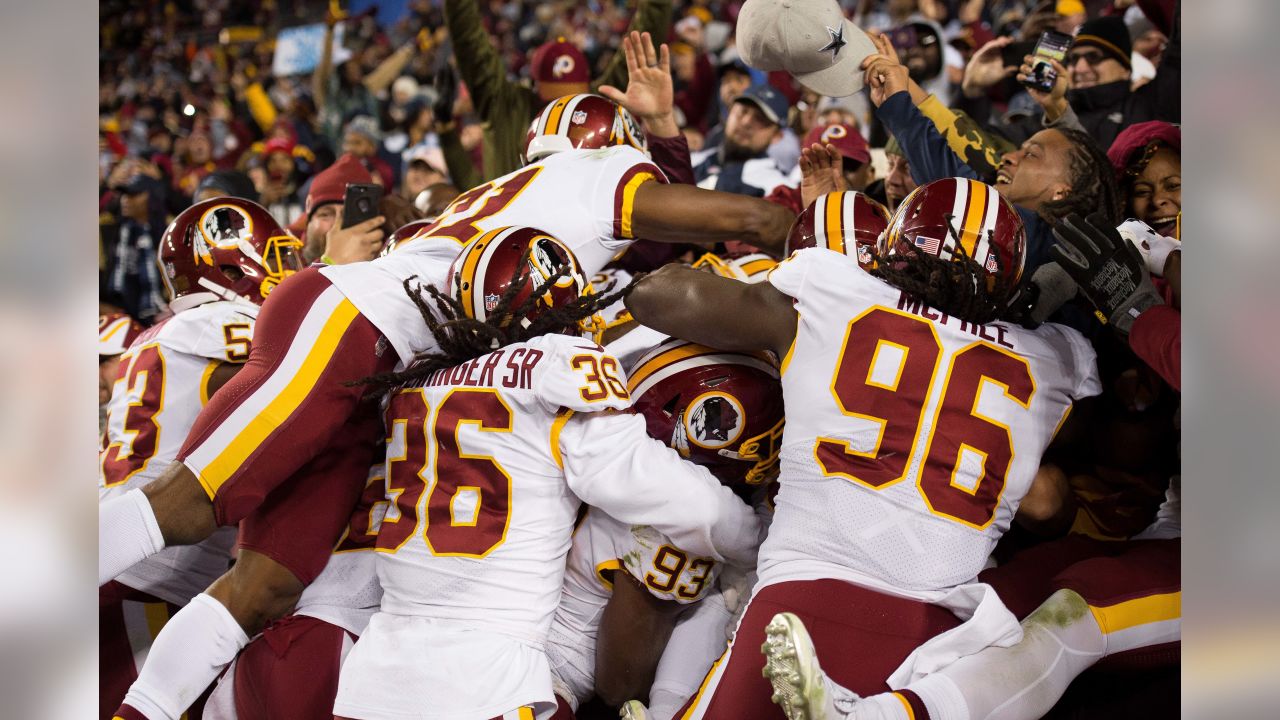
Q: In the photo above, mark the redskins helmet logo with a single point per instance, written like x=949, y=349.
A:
x=833, y=132
x=224, y=226
x=562, y=66
x=713, y=420
x=545, y=260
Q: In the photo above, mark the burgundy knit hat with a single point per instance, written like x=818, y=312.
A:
x=331, y=185
x=1133, y=139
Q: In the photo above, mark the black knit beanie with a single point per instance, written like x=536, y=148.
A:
x=1110, y=35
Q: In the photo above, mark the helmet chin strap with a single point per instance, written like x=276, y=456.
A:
x=225, y=293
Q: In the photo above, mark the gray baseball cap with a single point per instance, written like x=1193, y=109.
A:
x=811, y=39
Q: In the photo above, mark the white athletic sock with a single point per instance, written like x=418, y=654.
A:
x=844, y=704
x=127, y=534
x=194, y=646
x=1060, y=640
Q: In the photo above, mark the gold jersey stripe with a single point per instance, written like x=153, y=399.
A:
x=629, y=200
x=213, y=475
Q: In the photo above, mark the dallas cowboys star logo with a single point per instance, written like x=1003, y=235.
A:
x=837, y=42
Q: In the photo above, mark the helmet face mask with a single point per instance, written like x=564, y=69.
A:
x=225, y=249
x=582, y=121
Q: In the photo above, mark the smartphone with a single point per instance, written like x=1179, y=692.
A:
x=1052, y=44
x=360, y=203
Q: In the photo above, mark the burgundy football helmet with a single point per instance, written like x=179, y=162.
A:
x=582, y=121
x=835, y=218
x=937, y=216
x=116, y=332
x=486, y=267
x=721, y=410
x=403, y=234
x=226, y=248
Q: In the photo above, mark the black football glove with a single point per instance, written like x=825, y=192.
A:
x=1108, y=269
x=446, y=87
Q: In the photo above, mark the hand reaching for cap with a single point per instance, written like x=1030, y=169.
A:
x=885, y=74
x=649, y=94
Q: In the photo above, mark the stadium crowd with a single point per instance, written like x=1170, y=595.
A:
x=1076, y=182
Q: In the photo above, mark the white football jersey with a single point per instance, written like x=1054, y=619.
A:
x=582, y=197
x=487, y=464
x=516, y=438
x=160, y=389
x=602, y=547
x=377, y=290
x=919, y=433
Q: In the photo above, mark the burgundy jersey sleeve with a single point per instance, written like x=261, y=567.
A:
x=1156, y=337
x=671, y=155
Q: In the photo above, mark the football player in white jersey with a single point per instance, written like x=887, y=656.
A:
x=284, y=420
x=1118, y=600
x=163, y=379
x=919, y=422
x=627, y=585
x=494, y=441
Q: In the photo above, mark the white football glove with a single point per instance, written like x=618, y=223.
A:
x=1153, y=246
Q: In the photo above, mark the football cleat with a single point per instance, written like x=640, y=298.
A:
x=634, y=710
x=791, y=666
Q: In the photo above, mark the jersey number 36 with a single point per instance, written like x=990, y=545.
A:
x=468, y=507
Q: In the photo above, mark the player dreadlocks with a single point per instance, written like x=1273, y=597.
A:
x=957, y=285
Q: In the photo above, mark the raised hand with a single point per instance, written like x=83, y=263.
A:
x=1054, y=102
x=649, y=96
x=821, y=168
x=970, y=11
x=885, y=74
x=986, y=68
x=446, y=87
x=360, y=242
